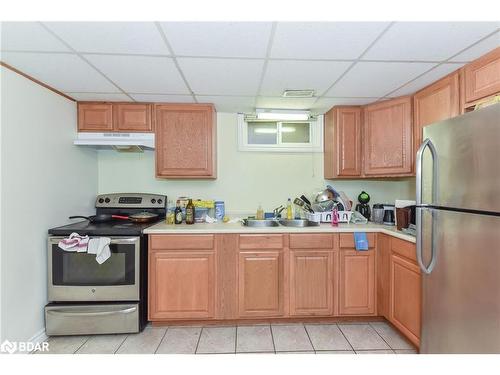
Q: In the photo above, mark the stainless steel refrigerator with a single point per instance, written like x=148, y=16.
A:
x=458, y=233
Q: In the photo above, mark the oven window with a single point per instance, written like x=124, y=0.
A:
x=82, y=269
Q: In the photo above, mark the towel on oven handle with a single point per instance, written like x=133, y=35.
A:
x=74, y=243
x=100, y=247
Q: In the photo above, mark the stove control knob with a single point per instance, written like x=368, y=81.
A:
x=153, y=201
x=160, y=201
x=107, y=200
x=101, y=200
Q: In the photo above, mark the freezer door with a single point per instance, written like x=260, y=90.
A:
x=461, y=296
x=468, y=167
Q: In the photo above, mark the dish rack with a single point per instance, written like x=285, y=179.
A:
x=326, y=217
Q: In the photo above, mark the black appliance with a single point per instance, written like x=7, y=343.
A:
x=363, y=207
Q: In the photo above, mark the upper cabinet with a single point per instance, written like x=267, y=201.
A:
x=342, y=142
x=387, y=131
x=482, y=77
x=436, y=102
x=185, y=136
x=109, y=117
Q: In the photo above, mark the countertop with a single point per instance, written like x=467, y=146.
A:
x=163, y=228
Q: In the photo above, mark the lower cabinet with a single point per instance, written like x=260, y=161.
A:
x=311, y=282
x=260, y=283
x=357, y=282
x=181, y=284
x=405, y=297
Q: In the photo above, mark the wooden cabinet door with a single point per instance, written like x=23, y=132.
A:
x=482, y=76
x=383, y=274
x=405, y=297
x=436, y=102
x=357, y=282
x=181, y=284
x=387, y=131
x=311, y=282
x=95, y=117
x=185, y=141
x=132, y=117
x=342, y=142
x=260, y=284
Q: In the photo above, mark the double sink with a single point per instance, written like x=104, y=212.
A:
x=278, y=222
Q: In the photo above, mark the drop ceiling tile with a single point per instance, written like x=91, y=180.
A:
x=64, y=72
x=284, y=103
x=218, y=39
x=286, y=74
x=376, y=79
x=428, y=78
x=324, y=104
x=144, y=74
x=229, y=103
x=428, y=41
x=111, y=37
x=99, y=96
x=222, y=76
x=479, y=49
x=324, y=40
x=29, y=36
x=162, y=98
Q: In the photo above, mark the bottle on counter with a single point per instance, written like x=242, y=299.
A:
x=190, y=212
x=260, y=213
x=289, y=210
x=178, y=213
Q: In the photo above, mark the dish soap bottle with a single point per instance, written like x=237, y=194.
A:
x=289, y=210
x=260, y=213
x=190, y=212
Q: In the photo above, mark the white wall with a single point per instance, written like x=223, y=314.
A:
x=245, y=179
x=44, y=180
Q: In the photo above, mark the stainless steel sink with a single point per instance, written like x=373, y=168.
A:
x=298, y=223
x=260, y=223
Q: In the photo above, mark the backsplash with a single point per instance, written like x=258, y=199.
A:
x=245, y=179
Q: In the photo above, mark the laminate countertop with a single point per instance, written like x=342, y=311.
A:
x=205, y=228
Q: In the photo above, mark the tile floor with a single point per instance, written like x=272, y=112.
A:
x=341, y=338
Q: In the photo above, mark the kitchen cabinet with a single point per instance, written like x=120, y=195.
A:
x=114, y=117
x=405, y=297
x=388, y=138
x=342, y=142
x=436, y=102
x=312, y=274
x=182, y=274
x=383, y=258
x=185, y=137
x=482, y=77
x=95, y=117
x=132, y=117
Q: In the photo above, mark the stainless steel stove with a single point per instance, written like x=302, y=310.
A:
x=90, y=298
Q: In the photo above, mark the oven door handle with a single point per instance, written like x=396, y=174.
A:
x=95, y=313
x=124, y=240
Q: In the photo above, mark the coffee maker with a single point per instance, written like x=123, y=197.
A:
x=363, y=207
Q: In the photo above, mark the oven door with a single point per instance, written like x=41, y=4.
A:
x=78, y=277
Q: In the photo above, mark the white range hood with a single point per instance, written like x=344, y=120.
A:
x=123, y=142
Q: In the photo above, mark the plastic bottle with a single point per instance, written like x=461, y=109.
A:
x=260, y=213
x=289, y=210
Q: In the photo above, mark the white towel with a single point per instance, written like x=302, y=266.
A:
x=74, y=243
x=100, y=247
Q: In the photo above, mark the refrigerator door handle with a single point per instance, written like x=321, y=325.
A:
x=420, y=154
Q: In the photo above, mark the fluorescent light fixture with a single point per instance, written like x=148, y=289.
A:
x=282, y=114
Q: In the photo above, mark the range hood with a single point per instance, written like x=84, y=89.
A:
x=122, y=142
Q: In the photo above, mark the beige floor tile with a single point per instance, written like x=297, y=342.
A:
x=298, y=352
x=391, y=336
x=180, y=340
x=217, y=340
x=374, y=352
x=363, y=337
x=145, y=342
x=102, y=344
x=64, y=344
x=291, y=338
x=406, y=351
x=335, y=352
x=254, y=339
x=327, y=337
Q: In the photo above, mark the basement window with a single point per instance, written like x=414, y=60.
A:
x=280, y=136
